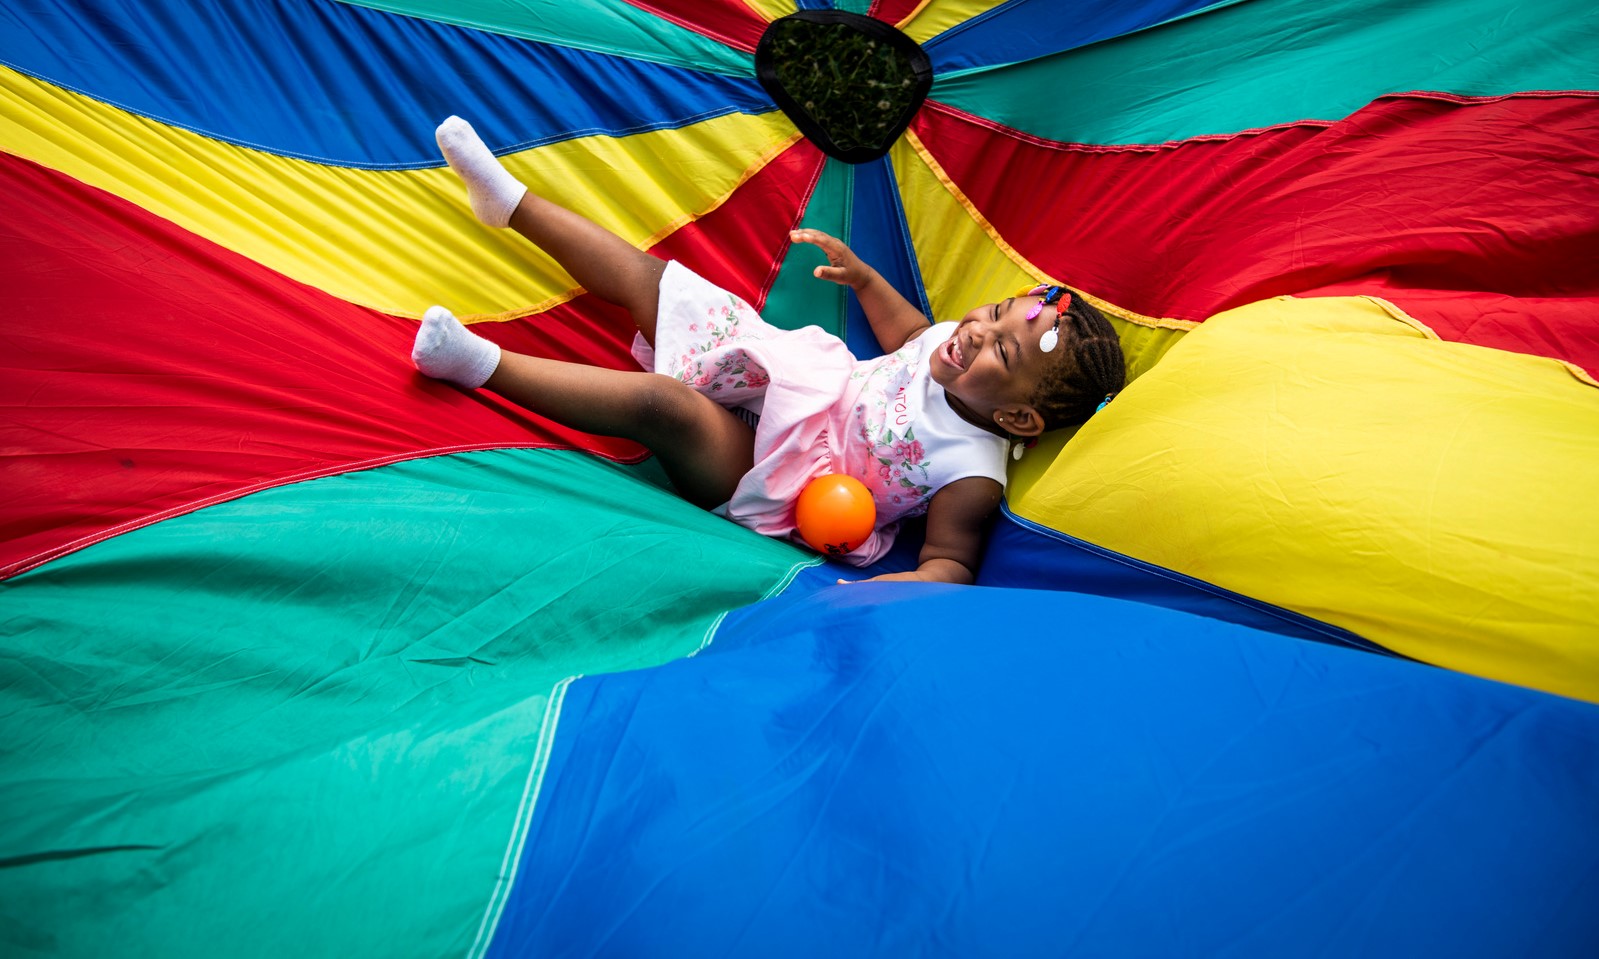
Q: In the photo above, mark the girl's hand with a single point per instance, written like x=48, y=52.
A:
x=956, y=518
x=911, y=577
x=893, y=319
x=844, y=267
x=937, y=571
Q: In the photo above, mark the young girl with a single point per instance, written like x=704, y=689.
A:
x=926, y=427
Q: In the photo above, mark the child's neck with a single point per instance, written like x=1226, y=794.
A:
x=969, y=415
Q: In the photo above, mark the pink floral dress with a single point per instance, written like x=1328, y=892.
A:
x=883, y=421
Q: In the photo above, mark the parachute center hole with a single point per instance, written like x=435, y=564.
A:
x=850, y=83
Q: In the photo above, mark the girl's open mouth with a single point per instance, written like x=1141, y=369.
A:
x=953, y=353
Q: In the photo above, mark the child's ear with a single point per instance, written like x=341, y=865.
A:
x=1019, y=420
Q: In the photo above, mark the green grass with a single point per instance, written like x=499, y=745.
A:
x=852, y=85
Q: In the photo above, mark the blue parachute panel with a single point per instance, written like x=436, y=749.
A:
x=343, y=84
x=881, y=237
x=870, y=770
x=1024, y=29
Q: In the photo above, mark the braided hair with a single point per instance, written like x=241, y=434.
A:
x=1089, y=371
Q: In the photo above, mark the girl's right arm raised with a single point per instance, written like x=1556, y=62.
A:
x=894, y=320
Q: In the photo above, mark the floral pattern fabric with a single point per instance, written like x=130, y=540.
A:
x=707, y=366
x=898, y=471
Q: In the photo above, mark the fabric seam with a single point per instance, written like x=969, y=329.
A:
x=1333, y=633
x=38, y=559
x=521, y=826
x=1026, y=265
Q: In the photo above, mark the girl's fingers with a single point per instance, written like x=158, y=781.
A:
x=838, y=266
x=816, y=238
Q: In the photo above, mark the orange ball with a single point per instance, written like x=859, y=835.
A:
x=835, y=514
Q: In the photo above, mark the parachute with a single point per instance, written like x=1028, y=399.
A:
x=1289, y=649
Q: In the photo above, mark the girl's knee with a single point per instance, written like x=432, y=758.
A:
x=704, y=448
x=670, y=410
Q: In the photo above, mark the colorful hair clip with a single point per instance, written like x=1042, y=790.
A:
x=1057, y=297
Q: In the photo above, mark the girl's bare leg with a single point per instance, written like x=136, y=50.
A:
x=704, y=449
x=604, y=263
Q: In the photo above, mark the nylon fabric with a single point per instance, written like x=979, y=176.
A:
x=809, y=785
x=1477, y=198
x=288, y=638
x=1326, y=457
x=891, y=11
x=930, y=18
x=769, y=10
x=1022, y=554
x=329, y=695
x=939, y=217
x=879, y=237
x=108, y=433
x=603, y=26
x=1247, y=66
x=281, y=77
x=178, y=374
x=1021, y=30
x=342, y=231
x=732, y=244
x=936, y=220
x=739, y=245
x=797, y=298
x=732, y=22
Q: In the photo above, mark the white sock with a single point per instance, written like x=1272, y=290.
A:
x=490, y=187
x=446, y=350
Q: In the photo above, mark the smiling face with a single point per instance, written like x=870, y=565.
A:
x=992, y=365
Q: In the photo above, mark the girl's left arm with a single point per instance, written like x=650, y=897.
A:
x=957, y=516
